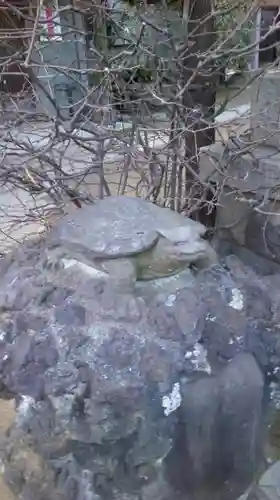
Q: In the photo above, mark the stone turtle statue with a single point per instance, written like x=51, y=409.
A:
x=132, y=239
x=159, y=393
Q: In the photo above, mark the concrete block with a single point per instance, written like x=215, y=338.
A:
x=232, y=215
x=246, y=181
x=265, y=109
x=241, y=223
x=261, y=265
x=209, y=158
x=262, y=233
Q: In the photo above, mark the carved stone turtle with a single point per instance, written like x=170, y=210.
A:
x=132, y=239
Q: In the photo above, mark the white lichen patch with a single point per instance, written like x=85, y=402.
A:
x=198, y=358
x=171, y=402
x=275, y=394
x=25, y=404
x=2, y=335
x=170, y=300
x=237, y=301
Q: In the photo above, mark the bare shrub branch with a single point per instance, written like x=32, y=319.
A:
x=103, y=98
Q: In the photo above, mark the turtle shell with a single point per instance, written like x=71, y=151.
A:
x=118, y=226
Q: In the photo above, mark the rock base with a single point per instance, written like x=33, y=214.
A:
x=161, y=394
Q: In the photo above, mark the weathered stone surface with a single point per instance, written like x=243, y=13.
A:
x=155, y=395
x=132, y=239
x=121, y=226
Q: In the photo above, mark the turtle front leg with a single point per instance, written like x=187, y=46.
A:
x=53, y=260
x=60, y=258
x=122, y=272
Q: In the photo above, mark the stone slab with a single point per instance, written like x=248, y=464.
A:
x=257, y=170
x=233, y=114
x=248, y=210
x=260, y=265
x=257, y=230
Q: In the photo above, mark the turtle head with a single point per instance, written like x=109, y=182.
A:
x=185, y=244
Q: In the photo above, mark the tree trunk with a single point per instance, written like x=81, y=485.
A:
x=198, y=98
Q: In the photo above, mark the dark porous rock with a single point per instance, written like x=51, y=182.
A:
x=155, y=394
